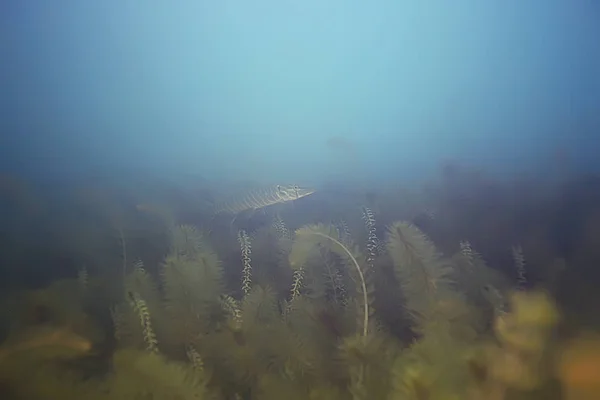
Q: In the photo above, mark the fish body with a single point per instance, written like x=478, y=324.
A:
x=261, y=197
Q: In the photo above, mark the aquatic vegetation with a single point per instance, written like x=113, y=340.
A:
x=578, y=367
x=310, y=236
x=141, y=309
x=306, y=311
x=246, y=249
x=372, y=239
x=148, y=375
x=517, y=253
x=520, y=359
x=424, y=276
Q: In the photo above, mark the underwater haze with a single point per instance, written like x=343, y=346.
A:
x=297, y=91
x=300, y=200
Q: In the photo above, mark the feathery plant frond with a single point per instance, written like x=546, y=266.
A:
x=496, y=299
x=246, y=249
x=525, y=338
x=195, y=358
x=193, y=283
x=269, y=258
x=187, y=242
x=424, y=277
x=296, y=284
x=343, y=231
x=131, y=317
x=83, y=278
x=432, y=368
x=519, y=259
x=232, y=309
x=304, y=345
x=259, y=307
x=192, y=290
x=138, y=280
x=141, y=309
x=247, y=353
x=334, y=279
x=118, y=319
x=141, y=375
x=468, y=260
x=483, y=287
x=308, y=237
x=368, y=362
x=123, y=249
x=467, y=251
x=372, y=240
x=282, y=230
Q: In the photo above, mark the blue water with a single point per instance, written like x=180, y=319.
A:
x=252, y=91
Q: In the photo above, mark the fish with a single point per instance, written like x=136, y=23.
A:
x=259, y=198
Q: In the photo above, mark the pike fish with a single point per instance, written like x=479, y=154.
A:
x=260, y=198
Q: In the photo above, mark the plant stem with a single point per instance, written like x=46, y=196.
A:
x=360, y=274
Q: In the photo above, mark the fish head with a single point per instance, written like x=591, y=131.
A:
x=293, y=192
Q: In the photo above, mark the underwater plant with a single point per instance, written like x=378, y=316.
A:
x=311, y=236
x=425, y=278
x=141, y=375
x=521, y=359
x=140, y=307
x=372, y=239
x=307, y=313
x=578, y=366
x=246, y=249
x=517, y=253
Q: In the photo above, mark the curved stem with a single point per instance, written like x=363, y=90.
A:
x=360, y=274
